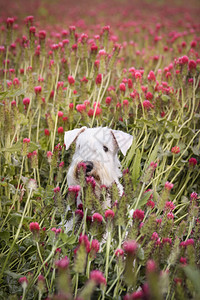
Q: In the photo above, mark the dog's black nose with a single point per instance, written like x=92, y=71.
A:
x=89, y=166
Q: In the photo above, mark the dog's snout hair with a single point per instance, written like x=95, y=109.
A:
x=98, y=149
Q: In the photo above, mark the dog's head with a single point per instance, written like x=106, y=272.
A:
x=97, y=148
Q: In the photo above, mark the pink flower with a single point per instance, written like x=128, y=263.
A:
x=167, y=240
x=149, y=96
x=83, y=239
x=108, y=100
x=122, y=87
x=60, y=114
x=26, y=141
x=61, y=165
x=94, y=246
x=98, y=79
x=98, y=277
x=16, y=81
x=46, y=132
x=147, y=104
x=42, y=35
x=38, y=89
x=49, y=154
x=41, y=278
x=175, y=150
x=170, y=216
x=56, y=189
x=168, y=185
x=23, y=281
x=63, y=263
x=91, y=180
x=151, y=266
x=79, y=213
x=56, y=231
x=119, y=252
x=151, y=204
x=154, y=236
x=169, y=206
x=138, y=214
x=60, y=130
x=189, y=242
x=192, y=162
x=74, y=188
x=192, y=65
x=125, y=103
x=109, y=214
x=34, y=227
x=130, y=247
x=130, y=84
x=80, y=108
x=138, y=75
x=71, y=80
x=97, y=217
x=26, y=101
x=193, y=196
x=151, y=77
x=183, y=260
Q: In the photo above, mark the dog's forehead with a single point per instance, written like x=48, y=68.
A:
x=99, y=135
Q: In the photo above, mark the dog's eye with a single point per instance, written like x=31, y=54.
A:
x=105, y=148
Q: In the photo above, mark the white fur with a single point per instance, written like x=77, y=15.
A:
x=90, y=144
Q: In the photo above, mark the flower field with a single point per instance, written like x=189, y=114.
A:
x=132, y=66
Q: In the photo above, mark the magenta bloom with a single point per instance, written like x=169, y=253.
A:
x=98, y=277
x=175, y=150
x=97, y=217
x=151, y=266
x=60, y=130
x=26, y=141
x=34, y=227
x=109, y=214
x=192, y=162
x=147, y=104
x=71, y=80
x=119, y=252
x=138, y=214
x=169, y=205
x=130, y=247
x=95, y=246
x=74, y=188
x=38, y=89
x=193, y=196
x=63, y=263
x=151, y=77
x=99, y=79
x=168, y=185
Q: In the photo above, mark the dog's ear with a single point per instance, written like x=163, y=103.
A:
x=71, y=136
x=123, y=140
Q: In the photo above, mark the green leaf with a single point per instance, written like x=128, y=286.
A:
x=165, y=98
x=175, y=135
x=70, y=240
x=136, y=167
x=129, y=156
x=5, y=235
x=15, y=148
x=153, y=157
x=144, y=199
x=194, y=275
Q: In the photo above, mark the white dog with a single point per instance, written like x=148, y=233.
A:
x=98, y=149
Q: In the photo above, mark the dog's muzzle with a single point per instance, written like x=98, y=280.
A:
x=89, y=166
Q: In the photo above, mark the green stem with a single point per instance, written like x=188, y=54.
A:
x=76, y=284
x=15, y=194
x=107, y=253
x=17, y=233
